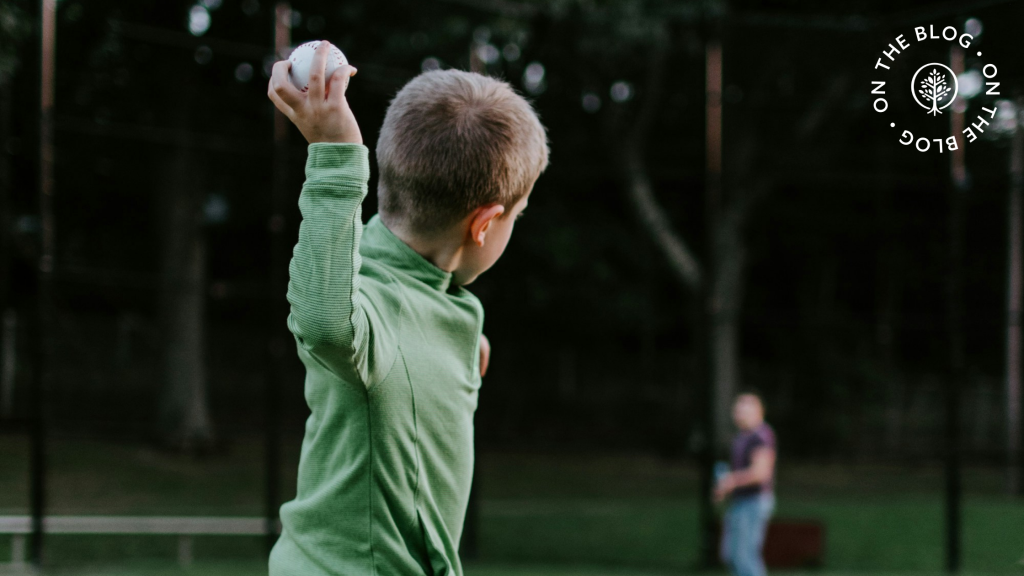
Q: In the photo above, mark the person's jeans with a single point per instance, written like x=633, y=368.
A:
x=743, y=530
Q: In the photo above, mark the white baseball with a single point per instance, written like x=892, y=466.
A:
x=301, y=59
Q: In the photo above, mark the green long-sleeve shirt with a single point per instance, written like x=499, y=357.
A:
x=391, y=350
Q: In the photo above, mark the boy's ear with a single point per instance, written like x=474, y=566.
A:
x=480, y=221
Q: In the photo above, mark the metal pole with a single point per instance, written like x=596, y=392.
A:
x=6, y=247
x=469, y=546
x=954, y=328
x=8, y=351
x=48, y=48
x=713, y=127
x=1013, y=308
x=475, y=63
x=8, y=361
x=706, y=317
x=278, y=285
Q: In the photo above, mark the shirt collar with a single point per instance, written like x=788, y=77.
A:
x=382, y=245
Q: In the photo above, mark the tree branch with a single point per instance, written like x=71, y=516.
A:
x=641, y=193
x=508, y=8
x=658, y=225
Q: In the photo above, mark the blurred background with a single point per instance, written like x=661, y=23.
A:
x=724, y=209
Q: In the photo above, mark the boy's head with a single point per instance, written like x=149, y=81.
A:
x=458, y=155
x=748, y=410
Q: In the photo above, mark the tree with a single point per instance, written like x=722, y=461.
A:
x=933, y=88
x=612, y=37
x=185, y=420
x=717, y=282
x=14, y=29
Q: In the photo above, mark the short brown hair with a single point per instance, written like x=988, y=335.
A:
x=453, y=141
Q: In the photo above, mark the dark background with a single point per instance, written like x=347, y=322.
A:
x=843, y=314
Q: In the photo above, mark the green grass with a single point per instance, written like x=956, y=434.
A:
x=619, y=513
x=250, y=568
x=235, y=568
x=243, y=568
x=904, y=535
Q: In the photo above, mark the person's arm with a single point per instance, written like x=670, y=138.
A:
x=762, y=462
x=330, y=316
x=328, y=309
x=762, y=466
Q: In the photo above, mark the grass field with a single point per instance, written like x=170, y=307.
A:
x=540, y=515
x=243, y=568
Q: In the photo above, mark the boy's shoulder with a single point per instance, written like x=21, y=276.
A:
x=380, y=284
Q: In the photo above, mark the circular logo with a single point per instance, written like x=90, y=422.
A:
x=934, y=87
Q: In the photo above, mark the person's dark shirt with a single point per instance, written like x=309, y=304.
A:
x=743, y=448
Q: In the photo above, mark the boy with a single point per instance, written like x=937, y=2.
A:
x=751, y=485
x=392, y=342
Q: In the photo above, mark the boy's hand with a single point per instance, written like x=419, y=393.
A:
x=485, y=354
x=321, y=113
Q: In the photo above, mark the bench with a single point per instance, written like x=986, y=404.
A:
x=793, y=544
x=184, y=527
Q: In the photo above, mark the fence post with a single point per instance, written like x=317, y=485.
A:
x=185, y=550
x=48, y=43
x=278, y=284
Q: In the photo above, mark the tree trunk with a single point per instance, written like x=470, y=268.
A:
x=185, y=417
x=726, y=301
x=724, y=288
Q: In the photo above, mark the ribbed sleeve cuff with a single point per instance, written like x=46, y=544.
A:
x=345, y=163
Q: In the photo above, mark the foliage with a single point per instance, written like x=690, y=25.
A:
x=14, y=29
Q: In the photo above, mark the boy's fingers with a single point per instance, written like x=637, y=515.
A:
x=281, y=104
x=317, y=70
x=282, y=86
x=338, y=84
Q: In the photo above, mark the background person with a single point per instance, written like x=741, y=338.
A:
x=750, y=485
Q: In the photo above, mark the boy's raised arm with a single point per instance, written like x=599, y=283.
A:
x=329, y=314
x=327, y=310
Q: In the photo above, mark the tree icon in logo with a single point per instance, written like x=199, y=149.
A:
x=936, y=89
